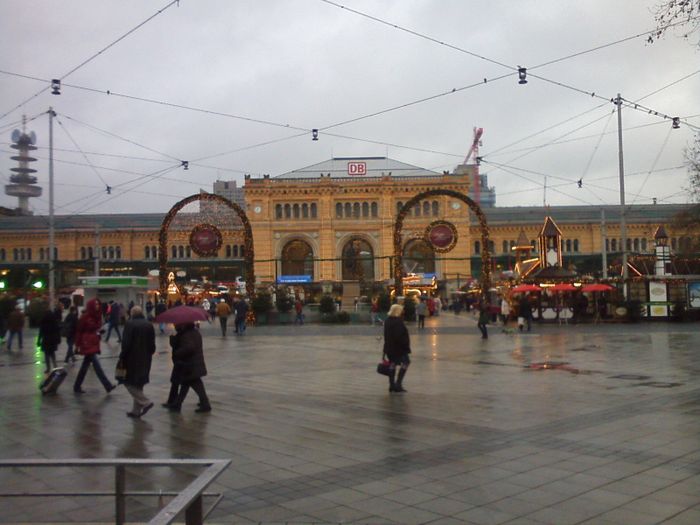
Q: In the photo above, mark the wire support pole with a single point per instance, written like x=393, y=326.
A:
x=623, y=222
x=52, y=238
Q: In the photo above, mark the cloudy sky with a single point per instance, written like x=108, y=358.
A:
x=234, y=87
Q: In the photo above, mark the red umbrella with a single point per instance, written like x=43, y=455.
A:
x=596, y=287
x=562, y=287
x=182, y=315
x=526, y=288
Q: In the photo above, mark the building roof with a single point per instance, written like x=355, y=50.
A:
x=340, y=167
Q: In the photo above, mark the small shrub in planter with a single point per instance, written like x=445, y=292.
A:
x=327, y=305
x=262, y=303
x=284, y=302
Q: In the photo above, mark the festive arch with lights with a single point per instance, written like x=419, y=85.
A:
x=398, y=226
x=249, y=269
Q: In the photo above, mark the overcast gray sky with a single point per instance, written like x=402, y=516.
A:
x=311, y=64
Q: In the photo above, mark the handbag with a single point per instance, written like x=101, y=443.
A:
x=384, y=367
x=120, y=371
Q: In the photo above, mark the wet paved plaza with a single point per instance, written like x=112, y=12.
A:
x=563, y=425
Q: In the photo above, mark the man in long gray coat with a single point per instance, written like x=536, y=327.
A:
x=138, y=347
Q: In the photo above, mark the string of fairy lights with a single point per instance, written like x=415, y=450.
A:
x=303, y=131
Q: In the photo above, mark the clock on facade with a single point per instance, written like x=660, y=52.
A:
x=456, y=205
x=257, y=209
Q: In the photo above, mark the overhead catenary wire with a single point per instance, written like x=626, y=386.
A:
x=653, y=165
x=87, y=160
x=92, y=57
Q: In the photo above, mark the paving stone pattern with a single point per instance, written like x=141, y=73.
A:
x=610, y=435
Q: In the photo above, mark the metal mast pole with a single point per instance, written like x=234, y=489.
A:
x=52, y=240
x=604, y=242
x=623, y=222
x=97, y=251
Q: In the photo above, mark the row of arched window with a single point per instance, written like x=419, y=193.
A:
x=21, y=254
x=180, y=252
x=296, y=211
x=236, y=250
x=355, y=210
x=424, y=208
x=107, y=253
x=44, y=254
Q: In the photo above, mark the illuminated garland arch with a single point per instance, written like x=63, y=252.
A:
x=398, y=226
x=249, y=268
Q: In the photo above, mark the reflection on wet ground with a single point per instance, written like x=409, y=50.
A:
x=565, y=424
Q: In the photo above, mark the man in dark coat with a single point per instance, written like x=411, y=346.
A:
x=113, y=320
x=241, y=309
x=50, y=336
x=138, y=347
x=188, y=359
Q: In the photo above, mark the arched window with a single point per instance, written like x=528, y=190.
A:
x=426, y=208
x=607, y=245
x=399, y=205
x=305, y=211
x=297, y=258
x=278, y=211
x=477, y=247
x=41, y=254
x=629, y=244
x=90, y=253
x=636, y=244
x=104, y=253
x=358, y=260
x=2, y=254
x=173, y=252
x=83, y=253
x=416, y=210
x=146, y=252
x=418, y=257
x=228, y=250
x=492, y=247
x=613, y=245
x=505, y=246
x=338, y=210
x=314, y=210
x=576, y=245
x=644, y=245
x=188, y=251
x=118, y=252
x=347, y=210
x=512, y=245
x=235, y=250
x=295, y=209
x=15, y=254
x=110, y=251
x=375, y=209
x=181, y=252
x=436, y=208
x=287, y=211
x=568, y=245
x=241, y=251
x=356, y=210
x=365, y=209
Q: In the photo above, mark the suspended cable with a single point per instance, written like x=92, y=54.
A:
x=595, y=149
x=129, y=141
x=89, y=59
x=94, y=169
x=653, y=164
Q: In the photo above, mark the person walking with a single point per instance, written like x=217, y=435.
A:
x=223, y=310
x=505, y=310
x=241, y=310
x=484, y=317
x=114, y=315
x=188, y=357
x=160, y=308
x=87, y=343
x=50, y=336
x=138, y=347
x=397, y=346
x=299, y=309
x=70, y=323
x=524, y=312
x=15, y=327
x=421, y=310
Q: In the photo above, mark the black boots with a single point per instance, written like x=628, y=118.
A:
x=395, y=385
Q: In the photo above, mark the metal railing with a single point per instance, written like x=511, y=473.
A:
x=189, y=499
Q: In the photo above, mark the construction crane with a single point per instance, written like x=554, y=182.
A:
x=474, y=153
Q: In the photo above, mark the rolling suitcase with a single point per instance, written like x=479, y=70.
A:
x=53, y=381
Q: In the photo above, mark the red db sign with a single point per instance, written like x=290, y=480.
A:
x=357, y=168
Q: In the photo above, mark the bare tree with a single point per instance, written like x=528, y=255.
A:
x=681, y=15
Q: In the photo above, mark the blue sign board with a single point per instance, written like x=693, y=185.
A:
x=293, y=279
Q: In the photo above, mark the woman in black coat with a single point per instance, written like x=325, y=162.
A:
x=188, y=366
x=50, y=336
x=397, y=346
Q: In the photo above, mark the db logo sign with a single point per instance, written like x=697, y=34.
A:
x=357, y=168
